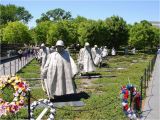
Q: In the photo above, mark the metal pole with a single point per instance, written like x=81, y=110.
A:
x=141, y=90
x=145, y=78
x=29, y=116
x=10, y=67
x=131, y=96
x=149, y=71
x=4, y=69
x=18, y=65
x=25, y=61
x=15, y=65
x=152, y=64
x=21, y=62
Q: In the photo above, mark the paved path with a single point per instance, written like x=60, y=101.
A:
x=151, y=109
x=13, y=66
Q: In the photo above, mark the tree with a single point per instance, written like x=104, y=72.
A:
x=71, y=28
x=79, y=19
x=118, y=31
x=156, y=37
x=55, y=15
x=41, y=31
x=57, y=31
x=143, y=35
x=33, y=36
x=16, y=32
x=64, y=30
x=93, y=32
x=11, y=13
x=137, y=36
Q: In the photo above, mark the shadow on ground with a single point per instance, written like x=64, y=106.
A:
x=70, y=97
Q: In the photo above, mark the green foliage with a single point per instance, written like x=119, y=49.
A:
x=111, y=32
x=71, y=28
x=143, y=35
x=156, y=36
x=11, y=13
x=93, y=32
x=58, y=24
x=40, y=31
x=7, y=93
x=16, y=32
x=79, y=19
x=64, y=30
x=57, y=31
x=117, y=30
x=55, y=15
x=33, y=36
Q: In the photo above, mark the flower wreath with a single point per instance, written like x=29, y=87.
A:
x=46, y=102
x=124, y=95
x=21, y=89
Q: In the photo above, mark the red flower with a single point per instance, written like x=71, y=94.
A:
x=126, y=107
x=21, y=84
x=126, y=95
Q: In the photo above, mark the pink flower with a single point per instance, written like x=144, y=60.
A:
x=16, y=94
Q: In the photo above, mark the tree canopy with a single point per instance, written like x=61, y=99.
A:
x=58, y=24
x=65, y=30
x=11, y=13
x=117, y=31
x=143, y=35
x=41, y=31
x=93, y=32
x=16, y=32
x=55, y=15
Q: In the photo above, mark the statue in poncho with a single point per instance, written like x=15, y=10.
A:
x=96, y=55
x=133, y=51
x=85, y=59
x=43, y=54
x=59, y=71
x=52, y=49
x=104, y=52
x=113, y=52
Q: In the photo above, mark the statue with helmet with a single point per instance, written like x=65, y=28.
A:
x=104, y=52
x=59, y=72
x=96, y=55
x=85, y=60
x=43, y=55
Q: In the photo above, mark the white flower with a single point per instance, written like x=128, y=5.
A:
x=52, y=110
x=50, y=104
x=31, y=113
x=51, y=116
x=15, y=99
x=45, y=101
x=34, y=103
x=32, y=107
x=19, y=90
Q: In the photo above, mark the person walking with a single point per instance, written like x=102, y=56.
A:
x=20, y=52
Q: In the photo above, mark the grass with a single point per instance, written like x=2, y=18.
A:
x=7, y=94
x=103, y=101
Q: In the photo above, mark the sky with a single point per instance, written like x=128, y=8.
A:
x=131, y=10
